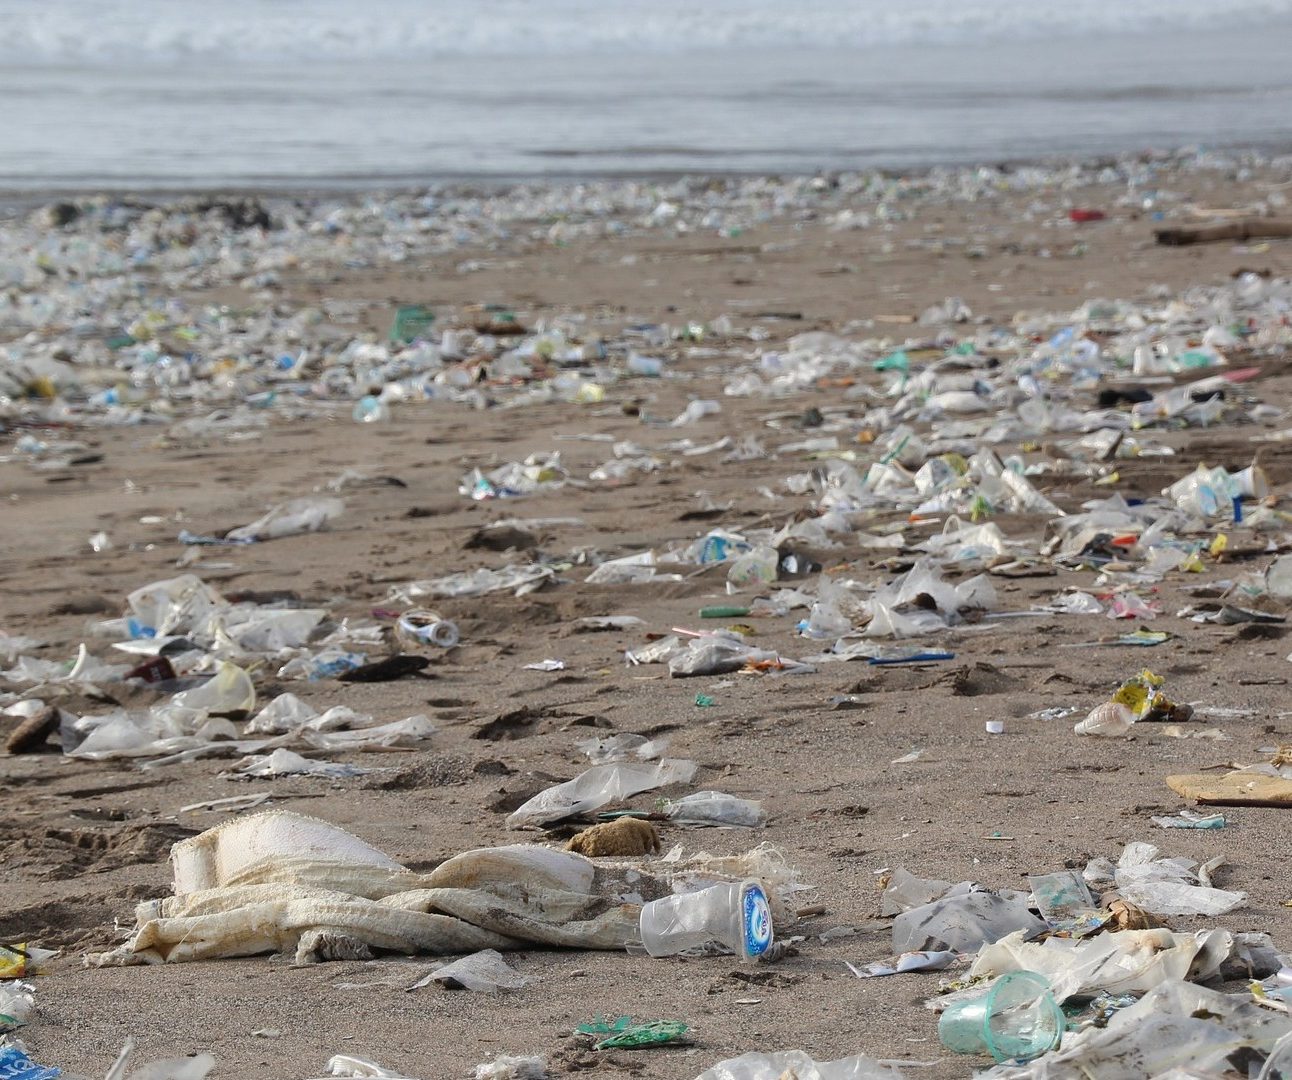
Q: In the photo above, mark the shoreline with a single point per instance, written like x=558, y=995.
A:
x=27, y=196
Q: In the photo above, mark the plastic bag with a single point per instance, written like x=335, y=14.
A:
x=512, y=1067
x=905, y=891
x=283, y=762
x=963, y=922
x=712, y=655
x=624, y=746
x=598, y=786
x=483, y=972
x=799, y=1066
x=1123, y=962
x=290, y=518
x=1171, y=886
x=715, y=808
x=229, y=690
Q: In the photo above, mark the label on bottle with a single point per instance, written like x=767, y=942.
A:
x=756, y=915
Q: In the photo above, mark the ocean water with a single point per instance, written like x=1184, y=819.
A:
x=334, y=93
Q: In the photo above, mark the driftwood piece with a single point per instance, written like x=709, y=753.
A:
x=1247, y=229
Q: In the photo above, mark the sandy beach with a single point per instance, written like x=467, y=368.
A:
x=85, y=841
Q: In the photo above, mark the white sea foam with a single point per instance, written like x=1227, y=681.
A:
x=38, y=32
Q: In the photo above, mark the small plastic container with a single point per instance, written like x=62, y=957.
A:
x=1017, y=1019
x=737, y=914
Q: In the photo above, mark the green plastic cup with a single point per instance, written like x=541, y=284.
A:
x=1017, y=1019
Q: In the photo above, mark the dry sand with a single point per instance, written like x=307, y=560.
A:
x=83, y=842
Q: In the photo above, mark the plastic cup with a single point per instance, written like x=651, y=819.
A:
x=1251, y=482
x=995, y=727
x=1017, y=1019
x=1278, y=1066
x=737, y=914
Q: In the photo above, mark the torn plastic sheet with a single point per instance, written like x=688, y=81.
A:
x=261, y=884
x=963, y=922
x=482, y=972
x=284, y=762
x=1176, y=1025
x=1178, y=886
x=624, y=746
x=899, y=965
x=797, y=1065
x=304, y=515
x=715, y=808
x=516, y=579
x=168, y=738
x=1122, y=962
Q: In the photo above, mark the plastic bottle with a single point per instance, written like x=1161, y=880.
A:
x=429, y=627
x=737, y=914
x=1110, y=719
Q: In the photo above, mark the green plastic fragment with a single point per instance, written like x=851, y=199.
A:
x=623, y=1034
x=119, y=341
x=723, y=611
x=704, y=701
x=411, y=322
x=895, y=361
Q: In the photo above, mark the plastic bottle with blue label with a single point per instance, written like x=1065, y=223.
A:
x=736, y=914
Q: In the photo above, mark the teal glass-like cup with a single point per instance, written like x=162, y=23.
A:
x=1016, y=1019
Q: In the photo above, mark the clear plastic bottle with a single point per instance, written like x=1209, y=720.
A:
x=429, y=627
x=1111, y=719
x=736, y=914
